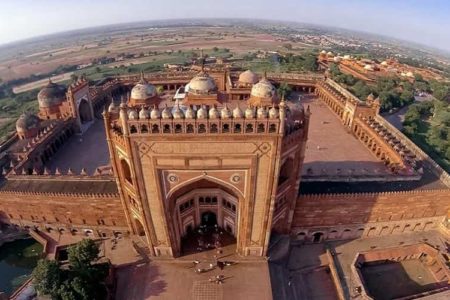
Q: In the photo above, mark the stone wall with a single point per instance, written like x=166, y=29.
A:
x=98, y=214
x=347, y=216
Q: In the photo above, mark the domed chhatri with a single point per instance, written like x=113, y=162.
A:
x=177, y=112
x=263, y=89
x=247, y=78
x=213, y=113
x=51, y=95
x=154, y=114
x=27, y=126
x=202, y=84
x=144, y=113
x=190, y=113
x=263, y=94
x=143, y=93
x=202, y=113
x=237, y=113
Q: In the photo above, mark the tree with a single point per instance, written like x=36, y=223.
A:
x=215, y=49
x=73, y=77
x=47, y=277
x=98, y=69
x=82, y=254
x=284, y=89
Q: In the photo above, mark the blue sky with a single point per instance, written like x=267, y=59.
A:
x=423, y=21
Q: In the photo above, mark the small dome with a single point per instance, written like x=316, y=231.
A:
x=225, y=113
x=330, y=53
x=190, y=113
x=133, y=114
x=213, y=113
x=371, y=97
x=51, y=95
x=237, y=113
x=337, y=59
x=273, y=113
x=249, y=113
x=323, y=52
x=166, y=114
x=144, y=113
x=143, y=90
x=112, y=107
x=384, y=63
x=201, y=113
x=410, y=74
x=368, y=67
x=27, y=122
x=261, y=113
x=263, y=89
x=202, y=84
x=248, y=77
x=177, y=113
x=154, y=114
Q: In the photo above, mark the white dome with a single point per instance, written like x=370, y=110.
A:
x=368, y=67
x=410, y=74
x=384, y=63
x=248, y=77
x=263, y=89
x=143, y=90
x=323, y=52
x=202, y=84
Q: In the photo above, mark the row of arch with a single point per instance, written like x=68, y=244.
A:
x=332, y=103
x=351, y=232
x=55, y=145
x=370, y=142
x=157, y=128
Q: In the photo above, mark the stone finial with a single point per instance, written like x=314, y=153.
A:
x=201, y=113
x=237, y=112
x=154, y=114
x=225, y=113
x=23, y=171
x=144, y=113
x=57, y=171
x=177, y=112
x=83, y=172
x=213, y=113
x=35, y=171
x=249, y=113
x=190, y=113
x=97, y=172
x=261, y=113
x=70, y=171
x=46, y=171
x=273, y=113
x=166, y=114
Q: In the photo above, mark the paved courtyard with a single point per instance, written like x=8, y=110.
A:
x=178, y=280
x=330, y=147
x=88, y=151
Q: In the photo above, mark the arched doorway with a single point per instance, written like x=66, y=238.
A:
x=84, y=111
x=203, y=215
x=209, y=219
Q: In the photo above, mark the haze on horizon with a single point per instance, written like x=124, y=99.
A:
x=424, y=22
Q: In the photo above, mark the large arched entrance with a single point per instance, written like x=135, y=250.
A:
x=204, y=216
x=84, y=111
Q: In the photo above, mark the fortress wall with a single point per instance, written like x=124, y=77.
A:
x=101, y=213
x=345, y=216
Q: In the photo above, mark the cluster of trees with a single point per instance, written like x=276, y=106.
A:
x=292, y=62
x=82, y=279
x=393, y=93
x=429, y=121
